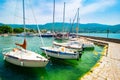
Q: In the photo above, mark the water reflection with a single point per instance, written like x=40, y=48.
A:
x=22, y=73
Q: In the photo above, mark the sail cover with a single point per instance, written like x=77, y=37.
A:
x=22, y=45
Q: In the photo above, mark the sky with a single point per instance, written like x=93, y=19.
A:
x=41, y=11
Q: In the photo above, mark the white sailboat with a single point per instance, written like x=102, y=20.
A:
x=76, y=43
x=62, y=35
x=60, y=52
x=70, y=44
x=23, y=57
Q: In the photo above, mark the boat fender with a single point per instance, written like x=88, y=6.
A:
x=22, y=63
x=63, y=48
x=15, y=49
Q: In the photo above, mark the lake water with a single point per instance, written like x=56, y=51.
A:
x=55, y=70
x=110, y=35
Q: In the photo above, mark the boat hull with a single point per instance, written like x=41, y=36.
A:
x=46, y=35
x=61, y=55
x=79, y=48
x=25, y=63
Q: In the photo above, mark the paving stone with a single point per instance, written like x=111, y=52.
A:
x=109, y=68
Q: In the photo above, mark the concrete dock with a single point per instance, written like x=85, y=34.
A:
x=108, y=68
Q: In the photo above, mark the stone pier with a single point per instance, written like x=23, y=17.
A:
x=108, y=68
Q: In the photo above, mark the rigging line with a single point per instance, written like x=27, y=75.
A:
x=30, y=18
x=15, y=11
x=4, y=8
x=22, y=17
x=38, y=28
x=73, y=21
x=11, y=12
x=14, y=14
x=37, y=25
x=27, y=19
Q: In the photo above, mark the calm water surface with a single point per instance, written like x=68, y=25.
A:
x=110, y=35
x=55, y=70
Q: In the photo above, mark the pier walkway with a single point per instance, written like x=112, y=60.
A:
x=108, y=68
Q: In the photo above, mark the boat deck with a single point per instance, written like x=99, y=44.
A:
x=25, y=54
x=59, y=49
x=108, y=68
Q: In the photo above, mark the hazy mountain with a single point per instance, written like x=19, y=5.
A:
x=1, y=24
x=90, y=27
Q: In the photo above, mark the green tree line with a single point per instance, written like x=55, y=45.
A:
x=9, y=29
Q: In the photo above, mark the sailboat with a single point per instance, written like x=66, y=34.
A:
x=69, y=43
x=76, y=43
x=60, y=52
x=62, y=35
x=23, y=57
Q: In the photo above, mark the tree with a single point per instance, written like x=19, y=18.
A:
x=18, y=30
x=5, y=29
x=32, y=30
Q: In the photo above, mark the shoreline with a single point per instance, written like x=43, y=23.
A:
x=108, y=67
x=103, y=53
x=102, y=39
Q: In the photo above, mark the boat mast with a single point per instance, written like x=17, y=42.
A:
x=64, y=16
x=53, y=16
x=63, y=20
x=23, y=15
x=77, y=28
x=70, y=31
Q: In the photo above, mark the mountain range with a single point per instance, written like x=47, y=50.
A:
x=90, y=27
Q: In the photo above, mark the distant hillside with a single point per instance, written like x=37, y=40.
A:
x=1, y=24
x=91, y=27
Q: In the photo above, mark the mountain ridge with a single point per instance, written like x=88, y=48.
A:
x=88, y=27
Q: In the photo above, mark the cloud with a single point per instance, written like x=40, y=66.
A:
x=100, y=5
x=43, y=10
x=11, y=11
